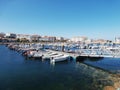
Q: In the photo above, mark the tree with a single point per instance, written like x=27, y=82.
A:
x=18, y=40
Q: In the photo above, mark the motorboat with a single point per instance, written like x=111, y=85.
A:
x=51, y=55
x=37, y=56
x=59, y=58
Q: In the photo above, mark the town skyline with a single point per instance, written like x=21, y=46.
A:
x=47, y=38
x=33, y=34
x=67, y=18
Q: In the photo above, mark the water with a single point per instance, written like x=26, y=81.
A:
x=109, y=64
x=17, y=73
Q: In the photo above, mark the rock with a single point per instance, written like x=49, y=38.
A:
x=109, y=88
x=117, y=85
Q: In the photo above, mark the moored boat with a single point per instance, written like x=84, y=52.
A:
x=59, y=58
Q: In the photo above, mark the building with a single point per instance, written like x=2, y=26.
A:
x=79, y=39
x=60, y=38
x=23, y=37
x=44, y=39
x=10, y=35
x=101, y=41
x=2, y=35
x=117, y=40
x=52, y=38
x=88, y=41
x=48, y=38
x=35, y=38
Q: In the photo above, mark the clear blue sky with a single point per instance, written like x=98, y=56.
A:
x=92, y=18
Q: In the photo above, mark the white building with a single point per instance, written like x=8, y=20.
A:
x=10, y=35
x=101, y=41
x=79, y=39
x=60, y=38
x=88, y=41
x=47, y=38
x=117, y=40
x=23, y=36
x=44, y=39
x=2, y=35
x=35, y=37
x=52, y=39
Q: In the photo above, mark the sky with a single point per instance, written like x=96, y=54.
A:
x=68, y=18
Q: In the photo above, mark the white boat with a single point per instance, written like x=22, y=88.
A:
x=30, y=54
x=51, y=56
x=37, y=56
x=56, y=55
x=48, y=55
x=59, y=58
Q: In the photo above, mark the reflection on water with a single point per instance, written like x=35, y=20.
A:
x=60, y=63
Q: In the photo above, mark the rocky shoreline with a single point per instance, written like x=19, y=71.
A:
x=101, y=80
x=116, y=79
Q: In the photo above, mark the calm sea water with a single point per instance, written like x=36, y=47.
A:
x=17, y=73
x=109, y=64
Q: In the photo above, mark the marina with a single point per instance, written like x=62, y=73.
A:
x=88, y=60
x=73, y=50
x=57, y=53
x=59, y=45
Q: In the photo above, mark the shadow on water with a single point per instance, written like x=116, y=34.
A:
x=91, y=61
x=95, y=58
x=40, y=59
x=81, y=58
x=32, y=58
